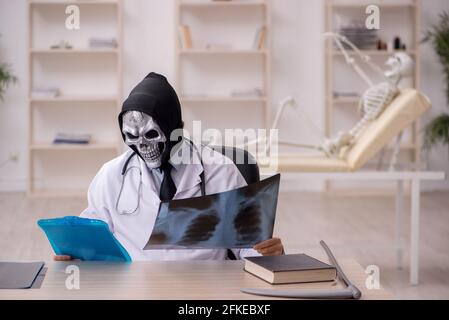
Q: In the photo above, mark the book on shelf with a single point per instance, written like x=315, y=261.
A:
x=248, y=93
x=294, y=268
x=260, y=38
x=100, y=43
x=348, y=94
x=45, y=92
x=186, y=37
x=65, y=138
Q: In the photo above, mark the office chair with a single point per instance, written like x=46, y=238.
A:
x=244, y=161
x=247, y=166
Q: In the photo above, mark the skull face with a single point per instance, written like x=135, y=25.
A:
x=144, y=133
x=400, y=65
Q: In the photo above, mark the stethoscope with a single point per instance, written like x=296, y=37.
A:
x=126, y=169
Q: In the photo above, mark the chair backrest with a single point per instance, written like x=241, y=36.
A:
x=406, y=108
x=244, y=161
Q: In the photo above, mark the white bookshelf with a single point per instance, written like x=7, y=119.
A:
x=204, y=9
x=222, y=52
x=73, y=147
x=72, y=51
x=85, y=159
x=229, y=3
x=75, y=99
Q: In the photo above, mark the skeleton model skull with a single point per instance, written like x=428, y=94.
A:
x=374, y=101
x=142, y=132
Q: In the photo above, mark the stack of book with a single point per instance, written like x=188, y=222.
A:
x=256, y=92
x=64, y=138
x=45, y=92
x=97, y=42
x=360, y=36
x=186, y=37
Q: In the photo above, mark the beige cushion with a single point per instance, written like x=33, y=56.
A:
x=305, y=163
x=403, y=112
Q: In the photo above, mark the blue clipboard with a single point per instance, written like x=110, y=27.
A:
x=84, y=239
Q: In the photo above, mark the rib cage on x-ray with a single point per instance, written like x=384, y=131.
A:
x=234, y=219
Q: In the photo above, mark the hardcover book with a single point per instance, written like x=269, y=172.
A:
x=293, y=268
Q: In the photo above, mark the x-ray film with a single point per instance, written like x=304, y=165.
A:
x=238, y=218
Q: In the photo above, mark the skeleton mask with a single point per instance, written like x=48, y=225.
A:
x=142, y=132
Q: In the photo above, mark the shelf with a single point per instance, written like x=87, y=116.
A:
x=222, y=51
x=75, y=2
x=74, y=99
x=373, y=52
x=74, y=51
x=232, y=3
x=380, y=4
x=194, y=99
x=73, y=147
x=186, y=12
x=83, y=100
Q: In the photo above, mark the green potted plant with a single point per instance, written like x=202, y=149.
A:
x=437, y=131
x=6, y=78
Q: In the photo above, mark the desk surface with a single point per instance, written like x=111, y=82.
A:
x=200, y=280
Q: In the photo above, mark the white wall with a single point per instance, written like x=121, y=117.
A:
x=434, y=85
x=13, y=110
x=149, y=46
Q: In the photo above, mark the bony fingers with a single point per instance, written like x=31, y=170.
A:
x=273, y=249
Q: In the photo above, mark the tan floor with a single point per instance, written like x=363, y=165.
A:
x=362, y=228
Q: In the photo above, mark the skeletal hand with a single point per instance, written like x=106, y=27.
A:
x=271, y=247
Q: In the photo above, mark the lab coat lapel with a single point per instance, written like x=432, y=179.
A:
x=189, y=178
x=187, y=173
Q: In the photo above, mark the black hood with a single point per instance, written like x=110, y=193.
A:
x=155, y=97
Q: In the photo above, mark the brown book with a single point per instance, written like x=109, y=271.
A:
x=260, y=38
x=186, y=37
x=293, y=268
x=263, y=38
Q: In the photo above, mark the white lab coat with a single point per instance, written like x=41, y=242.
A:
x=133, y=231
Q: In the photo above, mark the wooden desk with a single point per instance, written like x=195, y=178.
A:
x=200, y=280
